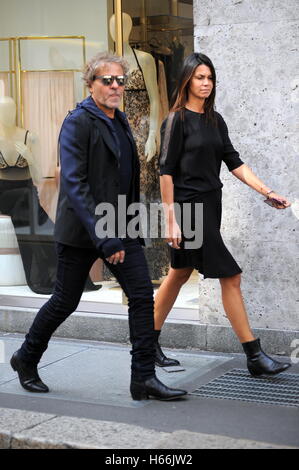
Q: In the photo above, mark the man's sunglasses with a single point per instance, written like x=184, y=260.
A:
x=107, y=80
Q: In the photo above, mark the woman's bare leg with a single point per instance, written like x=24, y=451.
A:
x=258, y=362
x=168, y=292
x=234, y=307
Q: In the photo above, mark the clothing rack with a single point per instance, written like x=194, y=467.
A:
x=22, y=70
x=15, y=66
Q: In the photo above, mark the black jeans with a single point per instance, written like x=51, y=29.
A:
x=73, y=267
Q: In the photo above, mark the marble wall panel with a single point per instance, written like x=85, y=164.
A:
x=254, y=47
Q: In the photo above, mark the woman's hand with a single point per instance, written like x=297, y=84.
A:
x=246, y=175
x=284, y=203
x=173, y=234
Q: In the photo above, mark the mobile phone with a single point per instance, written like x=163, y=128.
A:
x=272, y=200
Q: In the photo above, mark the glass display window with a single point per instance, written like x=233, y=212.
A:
x=43, y=48
x=157, y=36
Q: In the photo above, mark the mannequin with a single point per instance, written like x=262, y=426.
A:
x=19, y=170
x=13, y=146
x=142, y=107
x=19, y=176
x=148, y=67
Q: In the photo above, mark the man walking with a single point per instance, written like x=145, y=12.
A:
x=98, y=163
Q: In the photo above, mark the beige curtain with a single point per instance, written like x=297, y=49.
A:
x=47, y=98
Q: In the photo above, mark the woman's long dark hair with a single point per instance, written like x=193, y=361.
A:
x=180, y=95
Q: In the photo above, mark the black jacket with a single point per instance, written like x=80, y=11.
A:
x=90, y=163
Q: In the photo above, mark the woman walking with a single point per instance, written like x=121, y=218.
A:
x=195, y=141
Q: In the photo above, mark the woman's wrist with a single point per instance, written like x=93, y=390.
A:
x=170, y=220
x=266, y=191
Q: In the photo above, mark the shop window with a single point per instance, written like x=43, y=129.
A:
x=42, y=51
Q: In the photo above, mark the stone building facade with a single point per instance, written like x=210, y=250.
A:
x=254, y=47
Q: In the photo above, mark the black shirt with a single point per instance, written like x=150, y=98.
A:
x=195, y=152
x=126, y=158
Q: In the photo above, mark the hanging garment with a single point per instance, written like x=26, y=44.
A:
x=47, y=97
x=162, y=85
x=137, y=109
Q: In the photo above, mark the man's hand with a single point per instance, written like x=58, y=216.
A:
x=117, y=257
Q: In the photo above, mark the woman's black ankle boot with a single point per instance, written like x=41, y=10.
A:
x=259, y=363
x=161, y=360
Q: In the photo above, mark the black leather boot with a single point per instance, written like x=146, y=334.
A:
x=28, y=375
x=153, y=387
x=259, y=363
x=161, y=360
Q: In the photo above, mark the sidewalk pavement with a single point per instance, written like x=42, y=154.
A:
x=89, y=405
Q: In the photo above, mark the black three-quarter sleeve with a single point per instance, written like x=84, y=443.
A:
x=171, y=144
x=230, y=155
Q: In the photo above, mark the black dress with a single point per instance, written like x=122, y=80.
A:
x=193, y=158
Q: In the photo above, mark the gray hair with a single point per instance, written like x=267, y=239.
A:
x=97, y=61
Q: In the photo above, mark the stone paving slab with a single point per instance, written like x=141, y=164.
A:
x=194, y=440
x=51, y=355
x=97, y=373
x=85, y=433
x=89, y=382
x=27, y=430
x=15, y=421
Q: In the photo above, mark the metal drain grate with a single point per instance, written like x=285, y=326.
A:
x=238, y=384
